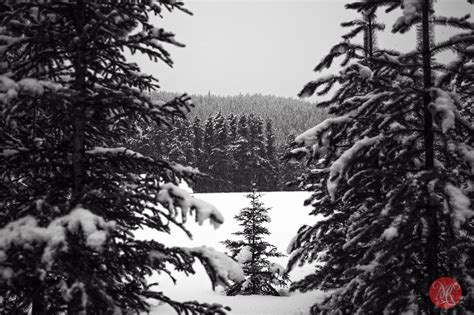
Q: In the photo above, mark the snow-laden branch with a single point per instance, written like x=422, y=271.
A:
x=9, y=152
x=460, y=204
x=244, y=255
x=339, y=166
x=9, y=89
x=185, y=170
x=173, y=197
x=392, y=231
x=224, y=268
x=310, y=137
x=443, y=104
x=277, y=269
x=468, y=154
x=411, y=11
x=26, y=232
x=114, y=151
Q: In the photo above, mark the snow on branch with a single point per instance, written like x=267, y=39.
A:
x=371, y=266
x=364, y=71
x=277, y=269
x=311, y=87
x=392, y=231
x=9, y=89
x=221, y=268
x=461, y=205
x=312, y=136
x=10, y=152
x=411, y=11
x=443, y=104
x=184, y=170
x=468, y=154
x=244, y=255
x=83, y=220
x=36, y=87
x=172, y=197
x=26, y=232
x=164, y=36
x=340, y=165
x=114, y=151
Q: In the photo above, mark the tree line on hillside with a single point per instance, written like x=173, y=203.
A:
x=232, y=151
x=289, y=115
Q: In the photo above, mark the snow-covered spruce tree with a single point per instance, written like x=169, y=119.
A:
x=241, y=154
x=291, y=165
x=391, y=172
x=206, y=183
x=220, y=155
x=197, y=143
x=252, y=251
x=272, y=169
x=259, y=163
x=180, y=142
x=232, y=122
x=70, y=199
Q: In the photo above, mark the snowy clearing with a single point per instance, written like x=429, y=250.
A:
x=287, y=214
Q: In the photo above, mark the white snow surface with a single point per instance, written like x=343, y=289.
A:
x=287, y=213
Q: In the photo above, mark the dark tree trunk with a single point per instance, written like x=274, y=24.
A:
x=79, y=119
x=428, y=119
x=38, y=307
x=371, y=36
x=431, y=210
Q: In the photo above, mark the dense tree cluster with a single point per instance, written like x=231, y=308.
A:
x=253, y=252
x=233, y=151
x=288, y=115
x=391, y=171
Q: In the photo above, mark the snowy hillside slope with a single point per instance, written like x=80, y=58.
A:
x=287, y=215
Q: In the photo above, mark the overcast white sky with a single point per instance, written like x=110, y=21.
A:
x=265, y=46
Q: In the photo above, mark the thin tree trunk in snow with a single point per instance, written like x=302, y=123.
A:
x=431, y=210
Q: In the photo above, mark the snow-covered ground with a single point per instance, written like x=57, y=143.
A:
x=287, y=215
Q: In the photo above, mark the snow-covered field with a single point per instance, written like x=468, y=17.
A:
x=287, y=215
